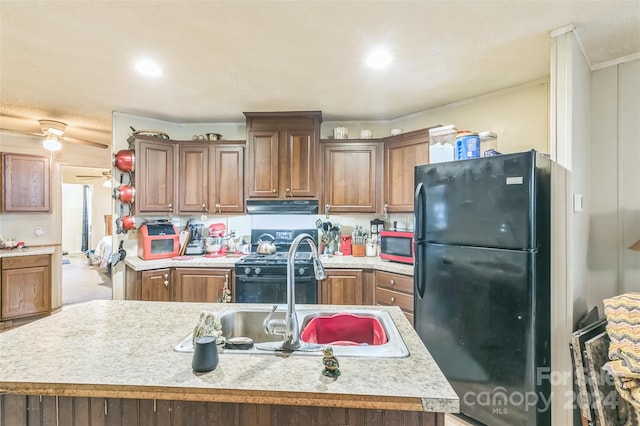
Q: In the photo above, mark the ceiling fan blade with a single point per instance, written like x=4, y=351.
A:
x=85, y=142
x=19, y=132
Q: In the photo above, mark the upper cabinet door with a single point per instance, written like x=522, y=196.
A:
x=262, y=161
x=155, y=173
x=300, y=167
x=352, y=174
x=401, y=154
x=27, y=183
x=227, y=186
x=193, y=180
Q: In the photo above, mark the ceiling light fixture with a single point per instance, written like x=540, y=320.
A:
x=51, y=143
x=379, y=58
x=148, y=68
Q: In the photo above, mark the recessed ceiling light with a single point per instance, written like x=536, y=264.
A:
x=148, y=68
x=379, y=58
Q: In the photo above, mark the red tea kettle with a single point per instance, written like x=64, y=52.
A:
x=124, y=193
x=124, y=160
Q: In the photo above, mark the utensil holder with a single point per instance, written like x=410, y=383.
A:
x=357, y=250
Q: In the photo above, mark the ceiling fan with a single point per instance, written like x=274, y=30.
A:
x=53, y=132
x=106, y=175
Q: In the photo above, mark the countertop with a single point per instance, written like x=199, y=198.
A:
x=347, y=262
x=124, y=349
x=29, y=251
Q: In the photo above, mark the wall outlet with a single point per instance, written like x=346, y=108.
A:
x=38, y=231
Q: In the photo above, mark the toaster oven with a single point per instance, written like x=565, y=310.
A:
x=158, y=241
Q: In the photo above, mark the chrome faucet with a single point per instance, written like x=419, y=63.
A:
x=289, y=326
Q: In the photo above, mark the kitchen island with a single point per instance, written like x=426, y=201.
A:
x=112, y=362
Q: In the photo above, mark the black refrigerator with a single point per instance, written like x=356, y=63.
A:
x=482, y=282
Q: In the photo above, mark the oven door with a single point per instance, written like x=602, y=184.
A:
x=274, y=289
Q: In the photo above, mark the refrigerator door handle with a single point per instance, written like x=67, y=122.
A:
x=420, y=199
x=418, y=272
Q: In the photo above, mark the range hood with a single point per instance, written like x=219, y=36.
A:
x=282, y=206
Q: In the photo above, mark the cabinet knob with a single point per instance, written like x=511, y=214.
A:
x=385, y=211
x=393, y=283
x=166, y=280
x=204, y=207
x=393, y=299
x=170, y=207
x=274, y=191
x=219, y=208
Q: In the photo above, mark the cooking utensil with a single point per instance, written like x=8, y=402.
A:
x=124, y=160
x=266, y=247
x=119, y=255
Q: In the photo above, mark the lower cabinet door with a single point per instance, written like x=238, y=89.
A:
x=25, y=291
x=342, y=287
x=156, y=285
x=201, y=285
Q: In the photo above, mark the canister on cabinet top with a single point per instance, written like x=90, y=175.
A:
x=467, y=145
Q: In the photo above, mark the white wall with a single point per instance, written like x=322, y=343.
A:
x=72, y=196
x=615, y=182
x=580, y=182
x=520, y=117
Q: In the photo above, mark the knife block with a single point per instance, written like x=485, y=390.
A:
x=358, y=250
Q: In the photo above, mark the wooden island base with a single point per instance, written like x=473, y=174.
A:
x=28, y=410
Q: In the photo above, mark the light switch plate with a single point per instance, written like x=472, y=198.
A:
x=577, y=202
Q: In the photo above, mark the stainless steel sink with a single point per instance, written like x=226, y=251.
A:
x=249, y=323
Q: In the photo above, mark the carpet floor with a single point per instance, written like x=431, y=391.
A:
x=82, y=282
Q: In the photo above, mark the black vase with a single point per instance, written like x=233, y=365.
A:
x=205, y=354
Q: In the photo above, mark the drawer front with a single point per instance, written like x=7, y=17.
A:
x=26, y=261
x=394, y=281
x=394, y=298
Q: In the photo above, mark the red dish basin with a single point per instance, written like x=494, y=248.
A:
x=344, y=330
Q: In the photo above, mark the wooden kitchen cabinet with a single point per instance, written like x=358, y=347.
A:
x=26, y=183
x=352, y=176
x=401, y=154
x=211, y=178
x=179, y=284
x=342, y=287
x=25, y=286
x=201, y=284
x=151, y=285
x=193, y=178
x=395, y=290
x=156, y=285
x=282, y=154
x=155, y=179
x=226, y=193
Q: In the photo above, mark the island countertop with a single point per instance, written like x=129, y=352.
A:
x=124, y=349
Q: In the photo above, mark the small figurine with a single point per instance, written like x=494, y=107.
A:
x=208, y=325
x=330, y=362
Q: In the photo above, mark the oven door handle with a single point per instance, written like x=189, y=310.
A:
x=267, y=280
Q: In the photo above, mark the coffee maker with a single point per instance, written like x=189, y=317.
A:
x=196, y=239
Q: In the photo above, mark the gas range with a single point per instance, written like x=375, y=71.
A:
x=256, y=264
x=274, y=259
x=262, y=278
